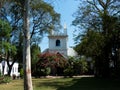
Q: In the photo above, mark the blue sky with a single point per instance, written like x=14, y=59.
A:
x=66, y=8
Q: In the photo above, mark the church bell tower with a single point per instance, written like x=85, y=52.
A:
x=58, y=42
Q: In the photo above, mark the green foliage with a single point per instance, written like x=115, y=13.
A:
x=76, y=66
x=5, y=79
x=51, y=59
x=50, y=62
x=42, y=71
x=44, y=19
x=69, y=72
x=81, y=66
x=91, y=44
x=45, y=71
x=100, y=21
x=5, y=29
x=21, y=72
x=48, y=71
x=35, y=51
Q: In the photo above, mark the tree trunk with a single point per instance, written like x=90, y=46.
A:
x=26, y=49
x=8, y=63
x=9, y=71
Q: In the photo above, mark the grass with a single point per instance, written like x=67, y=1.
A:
x=84, y=83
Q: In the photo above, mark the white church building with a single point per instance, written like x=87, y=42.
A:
x=58, y=43
x=4, y=68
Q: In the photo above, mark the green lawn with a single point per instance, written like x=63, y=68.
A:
x=84, y=83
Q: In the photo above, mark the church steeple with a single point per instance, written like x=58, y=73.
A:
x=63, y=32
x=65, y=29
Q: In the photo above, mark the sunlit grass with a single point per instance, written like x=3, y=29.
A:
x=84, y=83
x=14, y=85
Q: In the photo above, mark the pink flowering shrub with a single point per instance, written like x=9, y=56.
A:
x=50, y=62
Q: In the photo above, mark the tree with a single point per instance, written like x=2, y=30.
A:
x=13, y=20
x=91, y=44
x=16, y=20
x=8, y=50
x=100, y=20
x=26, y=56
x=26, y=48
x=76, y=66
x=35, y=51
x=44, y=19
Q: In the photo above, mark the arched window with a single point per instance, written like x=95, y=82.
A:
x=57, y=42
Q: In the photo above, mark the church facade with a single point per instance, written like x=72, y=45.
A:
x=58, y=43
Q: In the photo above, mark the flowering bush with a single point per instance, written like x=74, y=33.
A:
x=50, y=60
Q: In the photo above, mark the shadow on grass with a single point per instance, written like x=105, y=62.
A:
x=91, y=83
x=55, y=83
x=84, y=83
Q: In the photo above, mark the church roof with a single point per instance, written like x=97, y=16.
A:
x=70, y=52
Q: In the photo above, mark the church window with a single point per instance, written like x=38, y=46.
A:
x=57, y=42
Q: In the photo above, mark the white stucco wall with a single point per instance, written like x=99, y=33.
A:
x=71, y=52
x=52, y=43
x=0, y=68
x=14, y=70
x=63, y=48
x=63, y=44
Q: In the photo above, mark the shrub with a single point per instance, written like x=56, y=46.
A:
x=7, y=79
x=42, y=71
x=1, y=80
x=69, y=72
x=48, y=70
x=75, y=67
x=49, y=62
x=21, y=73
